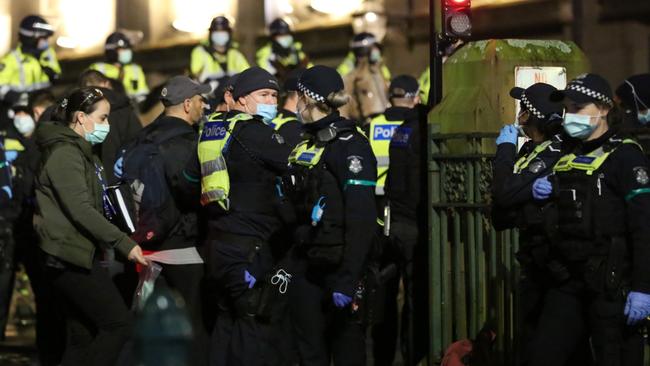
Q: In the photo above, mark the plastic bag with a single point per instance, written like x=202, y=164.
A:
x=146, y=283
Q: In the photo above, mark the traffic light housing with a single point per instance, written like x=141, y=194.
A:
x=456, y=18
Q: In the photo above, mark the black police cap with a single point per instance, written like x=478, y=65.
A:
x=584, y=89
x=319, y=81
x=252, y=79
x=279, y=26
x=220, y=23
x=403, y=86
x=536, y=100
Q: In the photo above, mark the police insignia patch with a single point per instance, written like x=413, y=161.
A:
x=355, y=164
x=537, y=166
x=641, y=175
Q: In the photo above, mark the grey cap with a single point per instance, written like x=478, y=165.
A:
x=180, y=88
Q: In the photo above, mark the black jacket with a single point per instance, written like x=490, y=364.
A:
x=183, y=176
x=350, y=160
x=403, y=186
x=255, y=156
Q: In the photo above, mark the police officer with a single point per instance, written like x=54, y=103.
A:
x=282, y=54
x=402, y=122
x=32, y=65
x=333, y=180
x=633, y=96
x=514, y=172
x=363, y=46
x=218, y=57
x=119, y=65
x=600, y=234
x=286, y=122
x=241, y=156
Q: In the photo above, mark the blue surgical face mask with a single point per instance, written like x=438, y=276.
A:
x=285, y=41
x=220, y=38
x=125, y=56
x=98, y=135
x=24, y=124
x=267, y=111
x=42, y=44
x=644, y=118
x=578, y=125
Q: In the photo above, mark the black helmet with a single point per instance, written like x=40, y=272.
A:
x=220, y=23
x=279, y=27
x=363, y=40
x=116, y=41
x=34, y=26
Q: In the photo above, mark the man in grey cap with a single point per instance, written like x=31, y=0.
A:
x=174, y=136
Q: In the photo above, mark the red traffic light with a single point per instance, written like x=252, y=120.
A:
x=456, y=16
x=459, y=3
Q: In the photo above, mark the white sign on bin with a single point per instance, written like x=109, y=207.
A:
x=526, y=76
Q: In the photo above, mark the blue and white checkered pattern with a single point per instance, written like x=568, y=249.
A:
x=591, y=93
x=311, y=94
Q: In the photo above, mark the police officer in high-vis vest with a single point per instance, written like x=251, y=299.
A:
x=241, y=156
x=119, y=65
x=425, y=85
x=404, y=98
x=364, y=45
x=513, y=205
x=282, y=53
x=600, y=232
x=332, y=182
x=217, y=57
x=32, y=65
x=286, y=122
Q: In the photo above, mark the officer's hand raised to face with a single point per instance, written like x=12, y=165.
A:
x=508, y=135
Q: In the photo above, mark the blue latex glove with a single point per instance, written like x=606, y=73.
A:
x=542, y=188
x=11, y=155
x=341, y=300
x=117, y=168
x=249, y=279
x=637, y=307
x=7, y=189
x=508, y=135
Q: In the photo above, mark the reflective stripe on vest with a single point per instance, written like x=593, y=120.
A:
x=381, y=132
x=306, y=154
x=590, y=162
x=131, y=72
x=525, y=160
x=214, y=140
x=280, y=120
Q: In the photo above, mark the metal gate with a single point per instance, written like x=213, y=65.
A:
x=472, y=267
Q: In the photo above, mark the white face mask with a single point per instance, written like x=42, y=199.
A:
x=285, y=41
x=220, y=38
x=24, y=124
x=125, y=56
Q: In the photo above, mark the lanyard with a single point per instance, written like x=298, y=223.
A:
x=109, y=210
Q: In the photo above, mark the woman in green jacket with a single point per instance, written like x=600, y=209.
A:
x=74, y=232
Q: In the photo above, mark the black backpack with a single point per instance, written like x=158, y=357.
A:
x=156, y=213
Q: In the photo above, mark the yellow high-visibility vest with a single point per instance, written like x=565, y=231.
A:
x=380, y=133
x=133, y=78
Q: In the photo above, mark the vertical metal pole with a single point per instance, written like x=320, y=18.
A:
x=578, y=22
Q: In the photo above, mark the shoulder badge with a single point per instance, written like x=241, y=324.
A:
x=277, y=137
x=354, y=164
x=641, y=175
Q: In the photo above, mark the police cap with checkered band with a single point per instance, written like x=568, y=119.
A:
x=584, y=89
x=535, y=99
x=318, y=82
